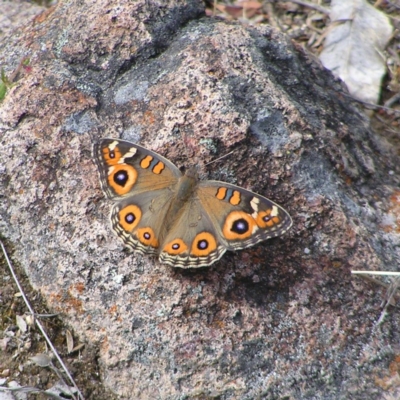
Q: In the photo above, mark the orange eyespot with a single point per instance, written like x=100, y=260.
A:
x=264, y=219
x=129, y=217
x=175, y=247
x=147, y=237
x=122, y=178
x=203, y=244
x=111, y=157
x=238, y=225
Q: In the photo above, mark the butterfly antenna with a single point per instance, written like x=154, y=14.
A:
x=219, y=158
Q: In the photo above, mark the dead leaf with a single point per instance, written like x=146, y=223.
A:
x=61, y=391
x=42, y=360
x=4, y=343
x=21, y=323
x=353, y=49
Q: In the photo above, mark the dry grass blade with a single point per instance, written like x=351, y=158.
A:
x=18, y=389
x=371, y=106
x=38, y=324
x=220, y=158
x=70, y=341
x=391, y=292
x=382, y=273
x=311, y=5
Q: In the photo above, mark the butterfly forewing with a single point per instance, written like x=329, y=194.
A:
x=127, y=168
x=243, y=218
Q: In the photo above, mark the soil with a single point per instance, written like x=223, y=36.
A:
x=19, y=345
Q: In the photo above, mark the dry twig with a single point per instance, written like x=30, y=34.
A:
x=39, y=325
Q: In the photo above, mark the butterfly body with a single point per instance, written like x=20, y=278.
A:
x=184, y=221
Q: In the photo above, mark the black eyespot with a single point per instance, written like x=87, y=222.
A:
x=266, y=218
x=240, y=226
x=176, y=246
x=202, y=244
x=147, y=235
x=130, y=218
x=121, y=178
x=111, y=154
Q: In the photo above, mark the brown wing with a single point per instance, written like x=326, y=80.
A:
x=126, y=168
x=242, y=218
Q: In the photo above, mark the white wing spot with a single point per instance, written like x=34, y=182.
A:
x=113, y=145
x=275, y=211
x=254, y=204
x=132, y=151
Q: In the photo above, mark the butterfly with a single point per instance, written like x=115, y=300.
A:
x=184, y=221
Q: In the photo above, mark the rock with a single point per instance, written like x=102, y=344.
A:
x=281, y=319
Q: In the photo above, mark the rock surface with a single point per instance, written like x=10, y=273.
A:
x=284, y=319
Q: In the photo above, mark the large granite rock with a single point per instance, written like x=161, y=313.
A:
x=284, y=319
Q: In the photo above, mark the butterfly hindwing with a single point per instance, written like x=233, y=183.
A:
x=137, y=219
x=192, y=240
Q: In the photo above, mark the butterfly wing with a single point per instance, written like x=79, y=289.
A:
x=192, y=241
x=219, y=217
x=240, y=217
x=142, y=184
x=139, y=219
x=186, y=222
x=126, y=168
